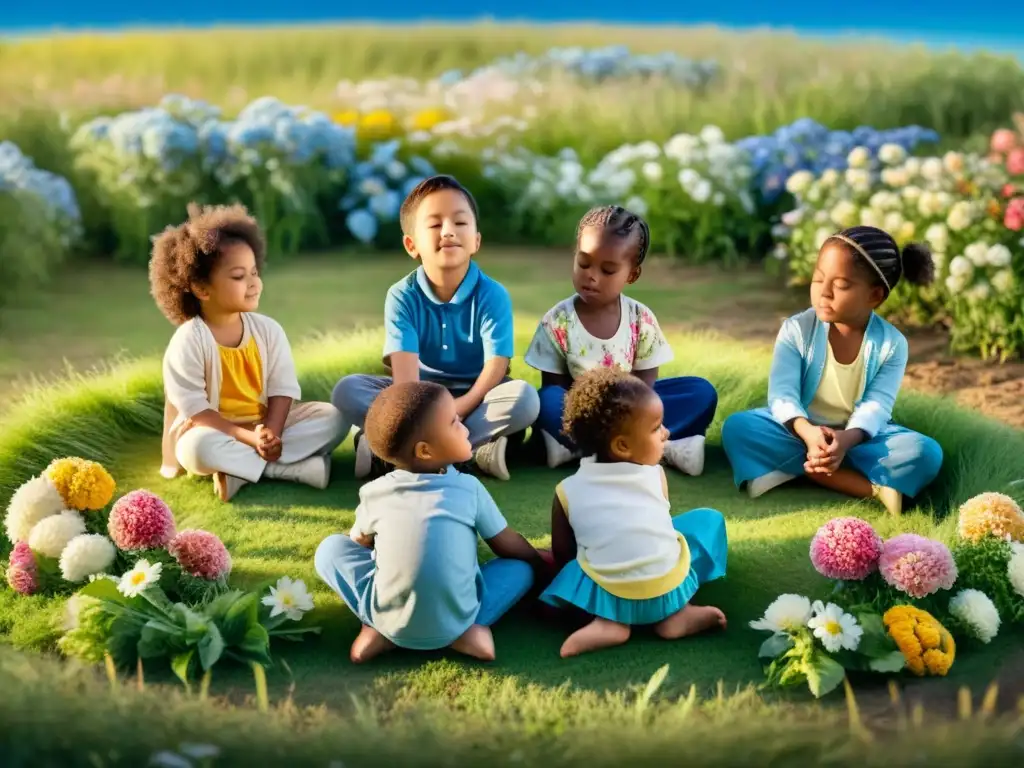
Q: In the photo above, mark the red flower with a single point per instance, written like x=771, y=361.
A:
x=1015, y=162
x=1014, y=218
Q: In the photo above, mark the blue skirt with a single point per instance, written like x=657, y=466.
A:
x=704, y=531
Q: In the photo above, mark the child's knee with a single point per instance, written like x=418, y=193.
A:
x=707, y=394
x=352, y=394
x=931, y=457
x=526, y=407
x=195, y=451
x=328, y=551
x=735, y=428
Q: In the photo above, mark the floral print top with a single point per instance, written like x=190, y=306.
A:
x=562, y=345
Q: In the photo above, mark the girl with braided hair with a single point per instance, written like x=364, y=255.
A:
x=599, y=327
x=835, y=375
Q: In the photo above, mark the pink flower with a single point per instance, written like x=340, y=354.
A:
x=917, y=565
x=1015, y=161
x=561, y=337
x=201, y=554
x=141, y=520
x=22, y=573
x=608, y=361
x=1009, y=190
x=1003, y=141
x=1014, y=217
x=846, y=548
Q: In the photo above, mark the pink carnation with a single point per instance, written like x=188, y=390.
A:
x=1015, y=161
x=201, y=554
x=1014, y=217
x=917, y=565
x=846, y=548
x=1003, y=140
x=141, y=520
x=22, y=573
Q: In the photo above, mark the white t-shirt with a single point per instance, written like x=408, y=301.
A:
x=562, y=345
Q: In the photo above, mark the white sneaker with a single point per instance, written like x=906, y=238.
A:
x=490, y=458
x=759, y=486
x=314, y=471
x=226, y=486
x=686, y=455
x=557, y=453
x=364, y=457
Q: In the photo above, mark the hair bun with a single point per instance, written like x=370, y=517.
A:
x=918, y=264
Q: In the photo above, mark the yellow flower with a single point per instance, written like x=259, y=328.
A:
x=991, y=513
x=379, y=124
x=924, y=642
x=83, y=484
x=346, y=117
x=426, y=119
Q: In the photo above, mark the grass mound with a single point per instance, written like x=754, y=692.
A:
x=273, y=529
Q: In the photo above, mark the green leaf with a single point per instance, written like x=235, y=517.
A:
x=210, y=647
x=656, y=681
x=154, y=642
x=894, y=662
x=219, y=607
x=104, y=589
x=823, y=674
x=195, y=625
x=875, y=643
x=256, y=640
x=182, y=663
x=239, y=617
x=775, y=645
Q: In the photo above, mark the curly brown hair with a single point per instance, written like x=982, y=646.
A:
x=598, y=403
x=397, y=416
x=185, y=254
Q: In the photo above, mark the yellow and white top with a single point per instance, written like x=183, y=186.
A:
x=625, y=540
x=838, y=392
x=241, y=387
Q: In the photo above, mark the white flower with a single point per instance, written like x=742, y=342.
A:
x=892, y=154
x=1002, y=280
x=884, y=200
x=869, y=217
x=859, y=179
x=930, y=204
x=829, y=178
x=905, y=231
x=911, y=193
x=823, y=234
x=956, y=283
x=1015, y=570
x=895, y=177
x=961, y=267
x=835, y=627
x=893, y=222
x=652, y=171
x=787, y=613
x=688, y=178
x=637, y=205
x=912, y=166
x=937, y=236
x=718, y=198
x=712, y=134
x=290, y=598
x=798, y=183
x=701, y=192
x=86, y=555
x=138, y=579
x=51, y=534
x=932, y=169
x=978, y=612
x=844, y=214
x=977, y=254
x=999, y=256
x=780, y=252
x=35, y=499
x=793, y=218
x=858, y=157
x=979, y=291
x=682, y=147
x=953, y=162
x=960, y=216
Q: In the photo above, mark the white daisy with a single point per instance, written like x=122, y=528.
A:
x=786, y=613
x=978, y=612
x=138, y=579
x=835, y=627
x=290, y=598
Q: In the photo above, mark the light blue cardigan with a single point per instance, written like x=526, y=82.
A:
x=799, y=361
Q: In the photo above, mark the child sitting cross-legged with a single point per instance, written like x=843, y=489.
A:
x=408, y=569
x=624, y=559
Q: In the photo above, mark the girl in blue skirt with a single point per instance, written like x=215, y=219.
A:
x=624, y=560
x=835, y=374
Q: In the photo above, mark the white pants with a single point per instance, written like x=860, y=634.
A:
x=311, y=429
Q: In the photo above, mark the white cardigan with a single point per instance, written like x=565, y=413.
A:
x=192, y=370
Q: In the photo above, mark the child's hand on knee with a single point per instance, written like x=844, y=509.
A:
x=268, y=445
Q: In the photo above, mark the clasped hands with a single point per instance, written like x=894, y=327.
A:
x=826, y=448
x=267, y=444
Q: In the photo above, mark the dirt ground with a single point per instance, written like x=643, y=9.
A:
x=995, y=389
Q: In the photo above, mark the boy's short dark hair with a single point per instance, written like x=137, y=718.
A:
x=598, y=403
x=407, y=214
x=185, y=254
x=397, y=416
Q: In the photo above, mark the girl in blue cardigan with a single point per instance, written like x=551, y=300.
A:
x=835, y=374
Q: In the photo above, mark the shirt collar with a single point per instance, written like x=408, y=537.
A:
x=462, y=294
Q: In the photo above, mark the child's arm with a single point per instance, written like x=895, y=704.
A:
x=648, y=376
x=503, y=540
x=494, y=372
x=362, y=532
x=401, y=339
x=652, y=348
x=875, y=407
x=563, y=380
x=511, y=544
x=563, y=540
x=496, y=336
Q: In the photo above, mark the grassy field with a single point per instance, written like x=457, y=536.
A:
x=436, y=706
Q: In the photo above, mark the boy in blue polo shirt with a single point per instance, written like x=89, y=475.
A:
x=449, y=323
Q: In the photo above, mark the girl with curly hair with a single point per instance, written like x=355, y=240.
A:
x=624, y=560
x=232, y=405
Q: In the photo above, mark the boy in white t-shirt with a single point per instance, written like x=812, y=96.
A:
x=600, y=327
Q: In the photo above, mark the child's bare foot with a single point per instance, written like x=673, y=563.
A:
x=369, y=644
x=692, y=620
x=600, y=633
x=477, y=641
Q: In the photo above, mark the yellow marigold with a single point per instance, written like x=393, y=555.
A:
x=346, y=117
x=83, y=484
x=991, y=513
x=924, y=642
x=426, y=119
x=378, y=124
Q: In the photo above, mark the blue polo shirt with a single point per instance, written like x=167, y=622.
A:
x=453, y=339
